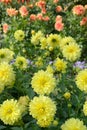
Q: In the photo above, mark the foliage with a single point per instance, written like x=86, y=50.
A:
x=39, y=55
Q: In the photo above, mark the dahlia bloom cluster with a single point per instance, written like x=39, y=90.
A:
x=43, y=65
x=7, y=76
x=43, y=109
x=10, y=112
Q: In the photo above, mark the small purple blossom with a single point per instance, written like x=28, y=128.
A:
x=12, y=62
x=51, y=62
x=29, y=62
x=80, y=64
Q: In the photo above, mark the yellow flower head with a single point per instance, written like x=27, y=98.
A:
x=6, y=55
x=73, y=124
x=53, y=40
x=43, y=109
x=46, y=122
x=47, y=53
x=10, y=112
x=21, y=62
x=19, y=35
x=81, y=80
x=55, y=122
x=39, y=62
x=7, y=75
x=43, y=82
x=50, y=69
x=23, y=103
x=65, y=41
x=60, y=65
x=85, y=108
x=43, y=43
x=32, y=32
x=71, y=51
x=67, y=95
x=35, y=39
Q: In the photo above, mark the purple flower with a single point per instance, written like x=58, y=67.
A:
x=12, y=62
x=80, y=64
x=29, y=62
x=51, y=62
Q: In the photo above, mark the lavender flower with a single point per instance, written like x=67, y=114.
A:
x=51, y=62
x=80, y=64
x=12, y=62
x=29, y=62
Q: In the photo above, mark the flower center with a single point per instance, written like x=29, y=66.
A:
x=71, y=50
x=21, y=35
x=53, y=40
x=20, y=62
x=2, y=56
x=43, y=82
x=9, y=111
x=42, y=110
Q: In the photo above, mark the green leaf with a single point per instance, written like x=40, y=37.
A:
x=16, y=128
x=2, y=127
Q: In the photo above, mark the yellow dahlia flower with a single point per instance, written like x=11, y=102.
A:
x=43, y=109
x=32, y=32
x=43, y=82
x=43, y=43
x=23, y=103
x=39, y=62
x=53, y=40
x=50, y=69
x=81, y=80
x=7, y=75
x=46, y=122
x=21, y=62
x=10, y=112
x=65, y=41
x=19, y=35
x=85, y=108
x=55, y=122
x=6, y=55
x=71, y=51
x=67, y=95
x=73, y=124
x=60, y=65
x=35, y=39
